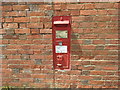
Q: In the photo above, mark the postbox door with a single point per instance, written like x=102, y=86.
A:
x=61, y=42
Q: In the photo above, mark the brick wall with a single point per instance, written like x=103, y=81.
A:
x=27, y=45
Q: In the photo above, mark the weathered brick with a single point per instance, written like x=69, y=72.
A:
x=89, y=6
x=97, y=82
x=8, y=19
x=75, y=6
x=98, y=42
x=48, y=25
x=35, y=31
x=45, y=30
x=75, y=12
x=21, y=19
x=11, y=37
x=36, y=14
x=7, y=8
x=88, y=12
x=104, y=5
x=20, y=7
x=34, y=19
x=10, y=25
x=35, y=25
x=23, y=25
x=22, y=30
x=14, y=13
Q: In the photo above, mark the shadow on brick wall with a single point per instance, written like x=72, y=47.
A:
x=76, y=50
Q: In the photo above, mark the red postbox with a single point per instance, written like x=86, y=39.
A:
x=61, y=42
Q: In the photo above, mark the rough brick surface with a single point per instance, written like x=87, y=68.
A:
x=27, y=45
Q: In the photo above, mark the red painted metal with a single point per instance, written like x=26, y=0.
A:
x=61, y=58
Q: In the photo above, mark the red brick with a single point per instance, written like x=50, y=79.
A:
x=45, y=19
x=13, y=56
x=14, y=47
x=112, y=12
x=27, y=80
x=10, y=25
x=7, y=8
x=78, y=18
x=88, y=12
x=42, y=41
x=104, y=5
x=19, y=66
x=57, y=7
x=45, y=7
x=36, y=14
x=22, y=30
x=47, y=36
x=114, y=41
x=97, y=72
x=20, y=42
x=25, y=52
x=100, y=52
x=95, y=82
x=77, y=30
x=112, y=47
x=48, y=25
x=62, y=13
x=89, y=36
x=2, y=19
x=35, y=25
x=77, y=42
x=102, y=18
x=21, y=19
x=20, y=7
x=115, y=57
x=111, y=36
x=9, y=51
x=11, y=37
x=23, y=25
x=110, y=68
x=37, y=51
x=38, y=76
x=116, y=5
x=2, y=31
x=75, y=6
x=34, y=31
x=88, y=24
x=89, y=6
x=104, y=63
x=75, y=24
x=98, y=42
x=9, y=3
x=14, y=13
x=19, y=62
x=86, y=68
x=114, y=18
x=45, y=30
x=34, y=19
x=37, y=56
x=8, y=19
x=85, y=77
x=75, y=12
x=85, y=86
x=4, y=41
x=33, y=37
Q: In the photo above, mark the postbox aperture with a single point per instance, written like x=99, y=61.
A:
x=61, y=42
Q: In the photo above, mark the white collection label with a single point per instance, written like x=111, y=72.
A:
x=61, y=49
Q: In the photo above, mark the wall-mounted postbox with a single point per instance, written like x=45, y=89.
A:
x=61, y=42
